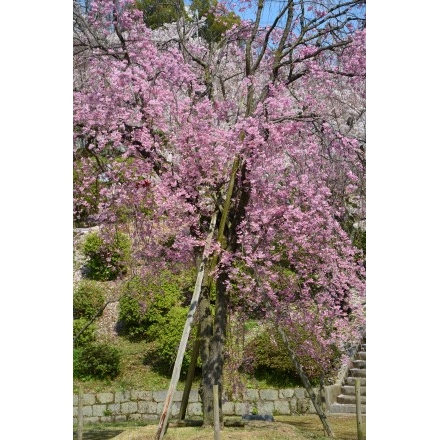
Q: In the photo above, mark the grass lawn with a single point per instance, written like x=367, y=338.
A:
x=137, y=373
x=307, y=427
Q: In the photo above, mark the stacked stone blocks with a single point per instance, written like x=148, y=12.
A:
x=148, y=405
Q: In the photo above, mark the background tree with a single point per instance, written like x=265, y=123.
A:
x=156, y=13
x=216, y=19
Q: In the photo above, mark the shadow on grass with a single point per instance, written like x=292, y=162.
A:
x=278, y=378
x=99, y=434
x=155, y=361
x=302, y=425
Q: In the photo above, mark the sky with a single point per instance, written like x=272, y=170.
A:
x=270, y=10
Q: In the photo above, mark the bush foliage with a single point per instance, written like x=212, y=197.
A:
x=146, y=302
x=88, y=299
x=107, y=258
x=98, y=361
x=270, y=357
x=269, y=353
x=167, y=335
x=155, y=310
x=87, y=336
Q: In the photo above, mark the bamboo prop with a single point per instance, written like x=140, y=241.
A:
x=185, y=335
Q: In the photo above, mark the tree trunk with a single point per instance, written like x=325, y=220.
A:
x=212, y=334
x=214, y=370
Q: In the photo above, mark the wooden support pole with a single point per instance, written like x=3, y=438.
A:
x=306, y=382
x=357, y=388
x=190, y=375
x=185, y=335
x=80, y=413
x=299, y=369
x=216, y=414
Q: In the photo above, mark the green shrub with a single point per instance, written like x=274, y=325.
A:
x=271, y=360
x=88, y=299
x=132, y=318
x=167, y=335
x=270, y=353
x=97, y=361
x=146, y=302
x=87, y=336
x=77, y=363
x=106, y=260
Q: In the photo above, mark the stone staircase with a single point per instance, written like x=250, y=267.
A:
x=346, y=399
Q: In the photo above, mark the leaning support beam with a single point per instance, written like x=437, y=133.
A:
x=190, y=375
x=298, y=367
x=185, y=335
x=305, y=381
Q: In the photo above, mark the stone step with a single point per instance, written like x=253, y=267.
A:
x=346, y=400
x=337, y=408
x=342, y=398
x=351, y=381
x=362, y=355
x=357, y=372
x=360, y=363
x=350, y=390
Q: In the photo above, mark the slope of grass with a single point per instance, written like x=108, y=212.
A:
x=136, y=372
x=139, y=373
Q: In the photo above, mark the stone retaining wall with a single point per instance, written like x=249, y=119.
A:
x=148, y=405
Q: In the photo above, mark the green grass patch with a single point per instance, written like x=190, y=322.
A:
x=139, y=373
x=136, y=373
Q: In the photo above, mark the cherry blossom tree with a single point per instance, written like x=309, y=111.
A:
x=262, y=129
